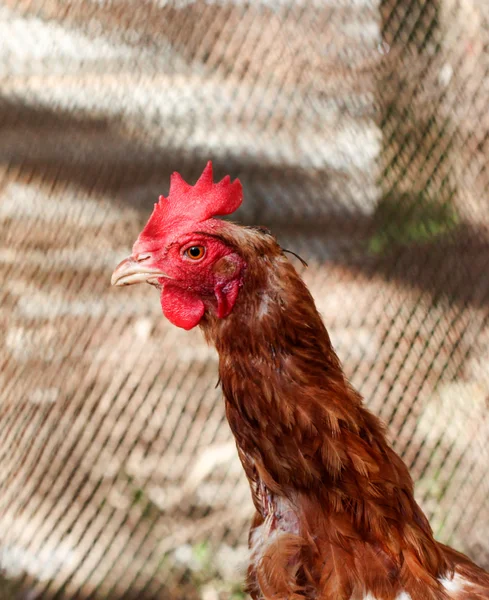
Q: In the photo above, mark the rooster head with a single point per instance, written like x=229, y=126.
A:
x=183, y=252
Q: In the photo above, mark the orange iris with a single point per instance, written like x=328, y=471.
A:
x=195, y=252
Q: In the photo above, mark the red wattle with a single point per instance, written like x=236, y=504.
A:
x=181, y=307
x=226, y=297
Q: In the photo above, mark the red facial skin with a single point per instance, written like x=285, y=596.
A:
x=189, y=287
x=192, y=286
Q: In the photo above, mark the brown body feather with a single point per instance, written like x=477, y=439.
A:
x=336, y=517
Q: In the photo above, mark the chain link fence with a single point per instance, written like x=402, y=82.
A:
x=360, y=131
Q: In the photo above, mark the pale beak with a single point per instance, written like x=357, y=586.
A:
x=131, y=271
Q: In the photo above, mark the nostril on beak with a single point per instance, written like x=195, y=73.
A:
x=143, y=257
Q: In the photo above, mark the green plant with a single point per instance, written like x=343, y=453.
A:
x=410, y=219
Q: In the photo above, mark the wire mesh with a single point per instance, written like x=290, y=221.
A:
x=360, y=132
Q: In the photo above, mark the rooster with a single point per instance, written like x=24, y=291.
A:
x=335, y=515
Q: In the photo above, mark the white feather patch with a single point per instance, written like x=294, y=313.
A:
x=264, y=304
x=453, y=585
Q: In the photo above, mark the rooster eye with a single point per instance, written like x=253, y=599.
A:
x=195, y=252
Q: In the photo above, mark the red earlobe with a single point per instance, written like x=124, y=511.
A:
x=181, y=307
x=226, y=296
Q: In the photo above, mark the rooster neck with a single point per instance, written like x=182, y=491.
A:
x=302, y=433
x=280, y=375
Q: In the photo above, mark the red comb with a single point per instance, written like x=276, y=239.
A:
x=205, y=199
x=196, y=203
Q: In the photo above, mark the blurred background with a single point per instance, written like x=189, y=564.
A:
x=360, y=130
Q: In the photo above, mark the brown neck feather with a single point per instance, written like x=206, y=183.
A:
x=300, y=428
